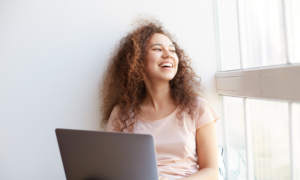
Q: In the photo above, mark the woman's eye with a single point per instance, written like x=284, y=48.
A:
x=158, y=49
x=172, y=50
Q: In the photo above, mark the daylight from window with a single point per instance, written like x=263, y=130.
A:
x=261, y=129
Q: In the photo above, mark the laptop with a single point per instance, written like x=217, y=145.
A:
x=97, y=155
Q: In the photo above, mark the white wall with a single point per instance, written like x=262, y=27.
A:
x=52, y=55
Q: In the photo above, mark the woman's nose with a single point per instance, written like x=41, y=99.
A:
x=167, y=54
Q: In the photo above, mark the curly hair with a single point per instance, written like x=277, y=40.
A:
x=123, y=83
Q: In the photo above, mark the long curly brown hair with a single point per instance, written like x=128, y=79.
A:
x=123, y=83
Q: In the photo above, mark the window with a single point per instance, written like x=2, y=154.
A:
x=233, y=115
x=258, y=82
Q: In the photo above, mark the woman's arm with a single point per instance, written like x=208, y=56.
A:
x=207, y=154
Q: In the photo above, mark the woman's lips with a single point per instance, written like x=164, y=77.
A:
x=166, y=67
x=166, y=64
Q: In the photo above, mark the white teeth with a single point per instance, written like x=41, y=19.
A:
x=166, y=65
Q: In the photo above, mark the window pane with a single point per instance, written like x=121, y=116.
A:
x=229, y=56
x=270, y=139
x=236, y=151
x=262, y=34
x=296, y=139
x=293, y=29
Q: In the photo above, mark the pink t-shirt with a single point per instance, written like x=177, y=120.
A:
x=175, y=140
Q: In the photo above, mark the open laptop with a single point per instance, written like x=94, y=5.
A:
x=97, y=155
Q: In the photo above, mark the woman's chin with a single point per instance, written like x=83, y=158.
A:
x=168, y=78
x=163, y=77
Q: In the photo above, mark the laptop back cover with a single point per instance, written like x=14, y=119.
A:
x=96, y=155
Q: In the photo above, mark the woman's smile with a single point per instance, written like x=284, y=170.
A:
x=166, y=65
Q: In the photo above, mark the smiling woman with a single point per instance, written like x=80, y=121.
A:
x=149, y=87
x=123, y=82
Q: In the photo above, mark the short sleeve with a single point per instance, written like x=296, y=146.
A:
x=206, y=113
x=111, y=125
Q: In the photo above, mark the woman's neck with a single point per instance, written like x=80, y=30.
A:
x=157, y=95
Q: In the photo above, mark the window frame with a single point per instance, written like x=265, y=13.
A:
x=277, y=83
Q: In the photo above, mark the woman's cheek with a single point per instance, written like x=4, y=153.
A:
x=151, y=59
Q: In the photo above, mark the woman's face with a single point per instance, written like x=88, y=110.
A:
x=161, y=60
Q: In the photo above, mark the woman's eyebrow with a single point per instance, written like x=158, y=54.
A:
x=172, y=45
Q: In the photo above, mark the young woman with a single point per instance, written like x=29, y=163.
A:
x=150, y=87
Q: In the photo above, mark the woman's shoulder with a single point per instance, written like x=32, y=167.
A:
x=116, y=109
x=205, y=112
x=201, y=103
x=200, y=99
x=113, y=122
x=202, y=106
x=117, y=116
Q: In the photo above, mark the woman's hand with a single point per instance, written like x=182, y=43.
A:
x=162, y=178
